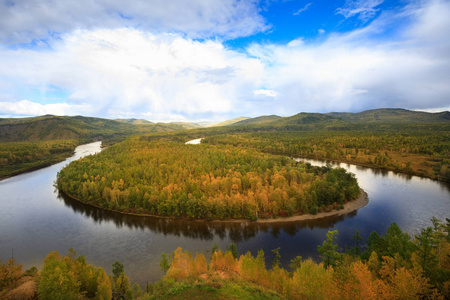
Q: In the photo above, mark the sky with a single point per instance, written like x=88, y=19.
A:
x=213, y=60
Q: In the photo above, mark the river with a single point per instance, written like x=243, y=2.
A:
x=35, y=219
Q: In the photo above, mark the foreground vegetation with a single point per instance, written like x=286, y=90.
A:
x=389, y=266
x=204, y=182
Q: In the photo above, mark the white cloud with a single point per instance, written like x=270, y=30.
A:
x=364, y=9
x=303, y=9
x=27, y=20
x=28, y=108
x=267, y=93
x=126, y=71
x=167, y=76
x=351, y=72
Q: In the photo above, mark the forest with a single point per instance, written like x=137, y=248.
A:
x=416, y=150
x=204, y=182
x=17, y=157
x=389, y=266
x=30, y=143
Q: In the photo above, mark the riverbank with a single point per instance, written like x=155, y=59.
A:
x=422, y=173
x=349, y=207
x=35, y=167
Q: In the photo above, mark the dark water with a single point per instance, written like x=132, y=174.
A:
x=35, y=219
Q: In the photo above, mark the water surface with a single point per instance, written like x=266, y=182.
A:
x=35, y=219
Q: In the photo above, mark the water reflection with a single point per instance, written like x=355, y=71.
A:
x=204, y=230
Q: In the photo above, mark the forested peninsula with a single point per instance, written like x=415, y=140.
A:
x=171, y=179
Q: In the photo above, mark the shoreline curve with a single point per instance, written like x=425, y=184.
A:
x=349, y=207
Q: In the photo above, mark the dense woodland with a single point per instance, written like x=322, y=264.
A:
x=17, y=157
x=419, y=150
x=204, y=182
x=389, y=266
x=30, y=143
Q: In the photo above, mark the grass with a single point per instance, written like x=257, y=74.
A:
x=215, y=288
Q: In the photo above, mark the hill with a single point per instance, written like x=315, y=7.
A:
x=392, y=115
x=134, y=121
x=231, y=122
x=72, y=128
x=306, y=118
x=187, y=125
x=263, y=120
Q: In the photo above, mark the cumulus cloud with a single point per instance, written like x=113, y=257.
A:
x=29, y=108
x=267, y=93
x=126, y=70
x=27, y=20
x=167, y=76
x=364, y=9
x=351, y=72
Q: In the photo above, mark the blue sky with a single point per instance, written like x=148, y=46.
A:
x=197, y=60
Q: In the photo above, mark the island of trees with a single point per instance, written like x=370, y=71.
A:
x=389, y=266
x=204, y=182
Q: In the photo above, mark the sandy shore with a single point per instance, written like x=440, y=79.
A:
x=356, y=204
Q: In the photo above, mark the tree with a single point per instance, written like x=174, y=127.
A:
x=58, y=281
x=296, y=263
x=121, y=283
x=357, y=237
x=277, y=258
x=426, y=249
x=214, y=248
x=233, y=249
x=164, y=262
x=117, y=269
x=328, y=250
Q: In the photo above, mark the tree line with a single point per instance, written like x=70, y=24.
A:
x=389, y=266
x=416, y=150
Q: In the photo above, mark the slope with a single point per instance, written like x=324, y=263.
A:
x=393, y=115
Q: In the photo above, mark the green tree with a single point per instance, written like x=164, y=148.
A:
x=296, y=263
x=277, y=259
x=356, y=250
x=328, y=251
x=233, y=249
x=121, y=288
x=164, y=262
x=117, y=269
x=426, y=249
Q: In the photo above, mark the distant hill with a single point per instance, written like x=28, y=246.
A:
x=306, y=118
x=231, y=122
x=134, y=121
x=299, y=121
x=392, y=115
x=56, y=128
x=258, y=120
x=187, y=125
